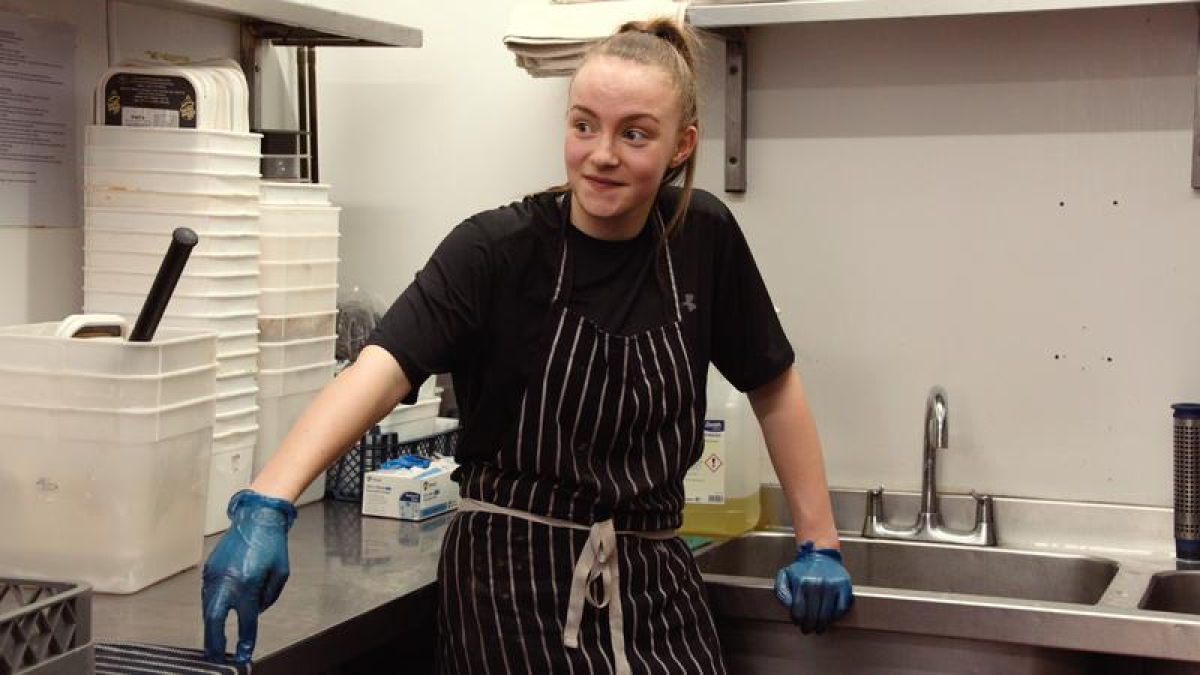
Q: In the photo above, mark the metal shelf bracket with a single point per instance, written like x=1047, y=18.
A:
x=735, y=109
x=1196, y=111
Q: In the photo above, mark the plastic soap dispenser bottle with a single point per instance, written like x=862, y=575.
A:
x=722, y=489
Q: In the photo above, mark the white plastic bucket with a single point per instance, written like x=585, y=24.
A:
x=298, y=274
x=300, y=300
x=278, y=219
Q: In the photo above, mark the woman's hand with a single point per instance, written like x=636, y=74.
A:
x=246, y=571
x=815, y=588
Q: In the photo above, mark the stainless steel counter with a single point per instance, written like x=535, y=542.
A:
x=356, y=583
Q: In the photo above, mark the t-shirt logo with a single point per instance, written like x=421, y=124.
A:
x=689, y=301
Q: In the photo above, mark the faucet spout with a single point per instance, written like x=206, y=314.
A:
x=937, y=437
x=928, y=526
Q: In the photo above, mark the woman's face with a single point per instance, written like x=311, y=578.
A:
x=623, y=133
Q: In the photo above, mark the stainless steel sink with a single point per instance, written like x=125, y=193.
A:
x=1173, y=592
x=933, y=567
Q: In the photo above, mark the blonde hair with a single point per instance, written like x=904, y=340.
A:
x=674, y=48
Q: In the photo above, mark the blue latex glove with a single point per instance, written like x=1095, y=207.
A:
x=816, y=588
x=407, y=462
x=246, y=571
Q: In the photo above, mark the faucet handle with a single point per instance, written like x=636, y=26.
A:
x=985, y=520
x=875, y=503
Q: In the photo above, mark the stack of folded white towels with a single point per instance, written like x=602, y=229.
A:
x=549, y=38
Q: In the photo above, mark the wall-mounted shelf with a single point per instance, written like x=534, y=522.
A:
x=808, y=11
x=302, y=23
x=731, y=20
x=296, y=23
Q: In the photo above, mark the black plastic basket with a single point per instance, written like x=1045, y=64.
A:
x=344, y=479
x=45, y=627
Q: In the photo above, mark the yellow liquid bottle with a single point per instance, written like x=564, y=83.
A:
x=723, y=488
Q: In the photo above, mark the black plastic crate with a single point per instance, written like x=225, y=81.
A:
x=45, y=627
x=344, y=479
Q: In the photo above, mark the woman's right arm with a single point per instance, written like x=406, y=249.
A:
x=357, y=398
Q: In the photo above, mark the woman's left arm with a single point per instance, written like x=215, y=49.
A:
x=795, y=450
x=815, y=587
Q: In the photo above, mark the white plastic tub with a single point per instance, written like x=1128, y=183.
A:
x=119, y=302
x=169, y=201
x=236, y=419
x=293, y=247
x=237, y=363
x=231, y=384
x=238, y=400
x=34, y=347
x=171, y=160
x=227, y=428
x=296, y=353
x=235, y=439
x=126, y=425
x=276, y=328
x=119, y=514
x=275, y=383
x=221, y=324
x=274, y=192
x=423, y=410
x=189, y=283
x=229, y=473
x=158, y=138
x=171, y=181
x=237, y=343
x=298, y=274
x=300, y=300
x=96, y=239
x=278, y=219
x=413, y=420
x=148, y=221
x=105, y=392
x=198, y=263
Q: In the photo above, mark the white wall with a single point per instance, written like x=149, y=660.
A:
x=905, y=181
x=414, y=141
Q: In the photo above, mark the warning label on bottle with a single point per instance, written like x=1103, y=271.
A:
x=705, y=481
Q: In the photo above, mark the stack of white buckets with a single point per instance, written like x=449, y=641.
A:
x=298, y=310
x=140, y=183
x=263, y=276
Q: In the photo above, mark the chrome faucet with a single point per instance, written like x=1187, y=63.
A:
x=929, y=519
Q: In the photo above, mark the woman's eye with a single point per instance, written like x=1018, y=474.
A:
x=581, y=126
x=635, y=135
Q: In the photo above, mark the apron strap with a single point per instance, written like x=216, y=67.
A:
x=597, y=560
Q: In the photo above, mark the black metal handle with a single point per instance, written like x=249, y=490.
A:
x=183, y=239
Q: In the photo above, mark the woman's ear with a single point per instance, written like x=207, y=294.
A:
x=685, y=146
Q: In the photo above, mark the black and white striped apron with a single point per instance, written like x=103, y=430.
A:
x=591, y=487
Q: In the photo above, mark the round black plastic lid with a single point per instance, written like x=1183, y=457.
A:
x=1187, y=411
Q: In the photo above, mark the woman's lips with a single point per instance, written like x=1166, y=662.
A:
x=602, y=183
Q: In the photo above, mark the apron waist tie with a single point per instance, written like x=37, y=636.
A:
x=597, y=560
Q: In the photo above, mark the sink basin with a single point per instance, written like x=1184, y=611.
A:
x=1173, y=592
x=932, y=567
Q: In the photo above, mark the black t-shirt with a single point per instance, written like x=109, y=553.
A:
x=479, y=306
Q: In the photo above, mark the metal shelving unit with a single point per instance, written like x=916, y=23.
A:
x=294, y=23
x=732, y=20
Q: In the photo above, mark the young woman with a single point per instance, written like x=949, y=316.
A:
x=578, y=324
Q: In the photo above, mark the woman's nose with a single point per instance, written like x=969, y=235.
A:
x=605, y=152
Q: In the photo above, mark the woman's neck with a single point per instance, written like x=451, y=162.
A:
x=624, y=227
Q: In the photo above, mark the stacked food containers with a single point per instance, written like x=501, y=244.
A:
x=298, y=310
x=140, y=184
x=106, y=455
